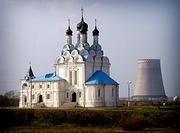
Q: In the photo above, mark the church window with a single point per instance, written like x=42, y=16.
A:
x=48, y=85
x=25, y=84
x=25, y=99
x=33, y=96
x=67, y=95
x=33, y=86
x=79, y=94
x=112, y=92
x=99, y=93
x=40, y=86
x=70, y=77
x=48, y=96
x=75, y=77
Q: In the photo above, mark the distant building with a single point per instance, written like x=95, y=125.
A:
x=81, y=77
x=149, y=83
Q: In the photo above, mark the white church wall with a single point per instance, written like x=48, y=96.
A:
x=54, y=89
x=101, y=95
x=97, y=63
x=93, y=97
x=110, y=95
x=88, y=70
x=62, y=71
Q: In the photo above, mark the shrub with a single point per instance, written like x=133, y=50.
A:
x=126, y=119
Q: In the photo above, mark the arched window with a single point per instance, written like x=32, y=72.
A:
x=75, y=77
x=40, y=86
x=99, y=93
x=113, y=92
x=24, y=85
x=67, y=95
x=70, y=77
x=33, y=96
x=79, y=94
x=48, y=96
x=48, y=85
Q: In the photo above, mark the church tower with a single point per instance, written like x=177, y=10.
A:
x=68, y=45
x=82, y=28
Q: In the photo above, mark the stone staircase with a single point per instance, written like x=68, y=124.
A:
x=69, y=105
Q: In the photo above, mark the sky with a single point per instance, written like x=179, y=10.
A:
x=34, y=31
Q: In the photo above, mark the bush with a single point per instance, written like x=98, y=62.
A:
x=6, y=102
x=126, y=119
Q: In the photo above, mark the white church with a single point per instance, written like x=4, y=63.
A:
x=81, y=76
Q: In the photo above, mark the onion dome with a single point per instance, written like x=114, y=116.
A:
x=69, y=31
x=95, y=32
x=79, y=25
x=82, y=26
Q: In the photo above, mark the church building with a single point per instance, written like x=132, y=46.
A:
x=81, y=76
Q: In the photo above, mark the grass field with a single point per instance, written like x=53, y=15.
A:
x=139, y=119
x=74, y=128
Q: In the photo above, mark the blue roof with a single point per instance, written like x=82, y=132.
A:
x=47, y=77
x=99, y=77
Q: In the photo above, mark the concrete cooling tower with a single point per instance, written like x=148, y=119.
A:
x=149, y=83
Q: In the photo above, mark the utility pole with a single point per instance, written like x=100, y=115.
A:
x=128, y=83
x=31, y=90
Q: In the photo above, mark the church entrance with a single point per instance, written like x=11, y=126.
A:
x=40, y=99
x=73, y=97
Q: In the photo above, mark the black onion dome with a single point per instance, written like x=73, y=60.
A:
x=69, y=31
x=82, y=26
x=79, y=25
x=95, y=31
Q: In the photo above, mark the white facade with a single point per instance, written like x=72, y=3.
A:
x=101, y=95
x=50, y=94
x=73, y=68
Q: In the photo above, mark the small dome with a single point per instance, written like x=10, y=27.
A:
x=79, y=25
x=82, y=26
x=95, y=32
x=69, y=31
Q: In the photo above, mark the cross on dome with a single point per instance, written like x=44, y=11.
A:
x=68, y=22
x=95, y=21
x=82, y=12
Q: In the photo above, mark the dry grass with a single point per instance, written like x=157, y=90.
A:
x=74, y=128
x=64, y=128
x=101, y=120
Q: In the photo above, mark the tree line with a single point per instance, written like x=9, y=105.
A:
x=8, y=99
